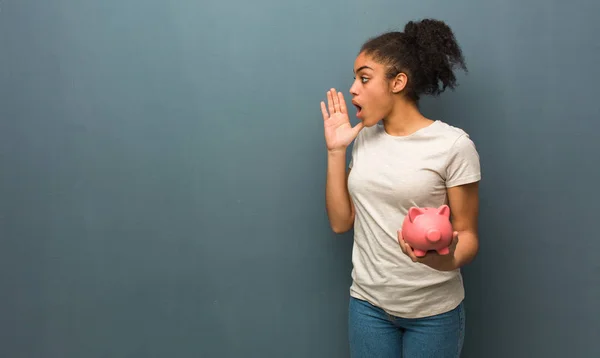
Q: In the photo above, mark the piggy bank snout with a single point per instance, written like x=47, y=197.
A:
x=434, y=235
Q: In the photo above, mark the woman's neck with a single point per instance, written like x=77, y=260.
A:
x=405, y=119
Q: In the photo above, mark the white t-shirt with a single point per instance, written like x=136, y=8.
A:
x=389, y=175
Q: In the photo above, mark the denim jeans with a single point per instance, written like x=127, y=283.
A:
x=374, y=333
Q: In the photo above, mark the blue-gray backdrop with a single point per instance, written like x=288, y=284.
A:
x=162, y=171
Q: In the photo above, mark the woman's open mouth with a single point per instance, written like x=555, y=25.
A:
x=358, y=108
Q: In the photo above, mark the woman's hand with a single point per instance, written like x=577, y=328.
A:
x=433, y=259
x=339, y=133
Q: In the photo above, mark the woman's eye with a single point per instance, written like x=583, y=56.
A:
x=364, y=79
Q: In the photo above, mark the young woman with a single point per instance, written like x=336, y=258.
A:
x=401, y=305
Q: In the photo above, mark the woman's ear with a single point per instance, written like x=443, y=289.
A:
x=399, y=82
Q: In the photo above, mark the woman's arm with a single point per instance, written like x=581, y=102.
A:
x=339, y=133
x=464, y=209
x=339, y=204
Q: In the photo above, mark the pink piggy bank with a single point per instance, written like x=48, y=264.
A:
x=427, y=229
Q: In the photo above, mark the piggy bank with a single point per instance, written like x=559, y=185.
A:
x=428, y=229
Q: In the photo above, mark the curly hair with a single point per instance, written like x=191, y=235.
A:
x=426, y=51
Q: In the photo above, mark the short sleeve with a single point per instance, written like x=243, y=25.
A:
x=463, y=166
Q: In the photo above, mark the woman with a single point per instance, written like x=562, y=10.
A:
x=401, y=305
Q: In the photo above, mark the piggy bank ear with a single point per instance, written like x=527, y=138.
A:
x=444, y=210
x=413, y=213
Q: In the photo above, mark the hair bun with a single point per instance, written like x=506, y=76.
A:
x=411, y=30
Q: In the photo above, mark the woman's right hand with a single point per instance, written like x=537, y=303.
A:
x=339, y=133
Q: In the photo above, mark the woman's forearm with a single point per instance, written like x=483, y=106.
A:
x=339, y=206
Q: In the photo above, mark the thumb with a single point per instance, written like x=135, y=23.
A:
x=454, y=238
x=357, y=128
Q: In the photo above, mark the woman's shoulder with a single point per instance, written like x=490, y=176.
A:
x=448, y=130
x=454, y=136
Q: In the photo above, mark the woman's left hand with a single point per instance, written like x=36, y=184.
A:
x=432, y=259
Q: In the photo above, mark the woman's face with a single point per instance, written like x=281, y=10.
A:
x=372, y=93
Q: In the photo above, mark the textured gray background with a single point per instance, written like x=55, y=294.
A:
x=163, y=168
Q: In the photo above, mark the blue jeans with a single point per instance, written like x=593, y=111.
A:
x=375, y=333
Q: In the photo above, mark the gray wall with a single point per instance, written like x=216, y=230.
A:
x=163, y=166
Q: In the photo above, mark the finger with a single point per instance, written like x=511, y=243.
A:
x=342, y=102
x=411, y=254
x=406, y=247
x=330, y=103
x=324, y=111
x=400, y=241
x=336, y=100
x=408, y=250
